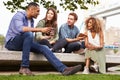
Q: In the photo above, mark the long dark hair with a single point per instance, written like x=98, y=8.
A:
x=53, y=22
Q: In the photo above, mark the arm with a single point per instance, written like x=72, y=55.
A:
x=38, y=35
x=101, y=40
x=64, y=33
x=93, y=47
x=55, y=36
x=75, y=39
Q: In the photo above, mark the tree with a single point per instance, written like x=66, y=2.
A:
x=2, y=39
x=72, y=5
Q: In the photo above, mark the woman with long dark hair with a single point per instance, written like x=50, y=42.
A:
x=50, y=20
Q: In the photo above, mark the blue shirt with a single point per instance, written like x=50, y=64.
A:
x=67, y=32
x=17, y=23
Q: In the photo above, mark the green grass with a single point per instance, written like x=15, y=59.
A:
x=60, y=77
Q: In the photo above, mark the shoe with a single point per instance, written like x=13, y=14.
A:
x=71, y=70
x=57, y=51
x=94, y=68
x=86, y=70
x=25, y=71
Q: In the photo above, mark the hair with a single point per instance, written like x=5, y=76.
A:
x=32, y=4
x=96, y=23
x=53, y=22
x=74, y=14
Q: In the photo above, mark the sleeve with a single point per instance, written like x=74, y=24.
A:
x=56, y=35
x=63, y=32
x=77, y=31
x=40, y=24
x=18, y=21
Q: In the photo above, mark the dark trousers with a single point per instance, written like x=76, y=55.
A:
x=45, y=42
x=69, y=47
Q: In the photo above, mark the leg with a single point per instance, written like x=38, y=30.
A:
x=61, y=43
x=86, y=68
x=54, y=60
x=22, y=42
x=74, y=46
x=45, y=42
x=87, y=62
x=49, y=55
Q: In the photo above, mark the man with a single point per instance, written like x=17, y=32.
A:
x=20, y=37
x=68, y=36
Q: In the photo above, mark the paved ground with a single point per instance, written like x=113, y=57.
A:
x=44, y=73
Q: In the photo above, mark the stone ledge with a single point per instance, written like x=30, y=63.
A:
x=65, y=57
x=70, y=58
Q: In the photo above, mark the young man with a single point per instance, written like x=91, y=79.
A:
x=68, y=36
x=20, y=38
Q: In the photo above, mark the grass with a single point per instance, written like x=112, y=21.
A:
x=60, y=77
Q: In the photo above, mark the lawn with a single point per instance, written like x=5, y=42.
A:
x=60, y=77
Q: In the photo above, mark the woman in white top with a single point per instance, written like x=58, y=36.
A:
x=94, y=46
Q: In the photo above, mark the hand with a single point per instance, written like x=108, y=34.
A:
x=46, y=37
x=46, y=29
x=82, y=35
x=52, y=42
x=81, y=38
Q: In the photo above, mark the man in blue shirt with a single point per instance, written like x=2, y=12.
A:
x=68, y=36
x=20, y=38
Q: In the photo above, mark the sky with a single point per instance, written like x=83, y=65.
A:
x=6, y=16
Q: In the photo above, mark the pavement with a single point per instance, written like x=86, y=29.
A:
x=51, y=72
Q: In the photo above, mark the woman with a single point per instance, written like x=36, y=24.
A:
x=94, y=46
x=50, y=20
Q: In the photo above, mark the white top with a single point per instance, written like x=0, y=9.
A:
x=29, y=23
x=95, y=41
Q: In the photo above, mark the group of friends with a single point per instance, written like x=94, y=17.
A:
x=48, y=39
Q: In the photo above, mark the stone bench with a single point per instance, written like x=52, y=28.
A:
x=13, y=58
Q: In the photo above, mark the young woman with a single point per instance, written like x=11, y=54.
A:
x=50, y=20
x=94, y=46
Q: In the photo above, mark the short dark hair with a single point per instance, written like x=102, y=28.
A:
x=74, y=14
x=32, y=4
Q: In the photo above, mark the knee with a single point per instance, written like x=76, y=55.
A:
x=28, y=35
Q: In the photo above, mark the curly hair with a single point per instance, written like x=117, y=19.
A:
x=96, y=23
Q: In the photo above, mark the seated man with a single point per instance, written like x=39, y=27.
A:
x=68, y=36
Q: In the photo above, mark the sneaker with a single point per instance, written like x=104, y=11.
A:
x=56, y=51
x=25, y=71
x=94, y=68
x=86, y=70
x=71, y=70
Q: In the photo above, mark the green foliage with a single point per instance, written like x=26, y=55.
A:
x=2, y=41
x=72, y=5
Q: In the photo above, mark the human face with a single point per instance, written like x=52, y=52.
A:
x=35, y=12
x=89, y=25
x=50, y=15
x=71, y=20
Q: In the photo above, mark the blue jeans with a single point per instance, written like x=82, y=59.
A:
x=25, y=43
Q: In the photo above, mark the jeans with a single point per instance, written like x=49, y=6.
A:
x=25, y=43
x=69, y=47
